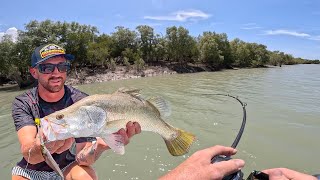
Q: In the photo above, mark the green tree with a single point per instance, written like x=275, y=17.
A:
x=77, y=41
x=261, y=55
x=180, y=45
x=123, y=39
x=209, y=50
x=99, y=51
x=6, y=51
x=274, y=58
x=240, y=53
x=146, y=42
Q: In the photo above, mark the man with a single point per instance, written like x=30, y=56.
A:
x=49, y=65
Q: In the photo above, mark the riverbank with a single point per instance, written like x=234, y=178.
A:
x=93, y=75
x=88, y=75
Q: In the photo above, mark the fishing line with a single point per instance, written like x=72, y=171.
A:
x=29, y=155
x=244, y=117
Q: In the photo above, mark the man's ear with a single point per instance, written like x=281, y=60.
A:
x=33, y=72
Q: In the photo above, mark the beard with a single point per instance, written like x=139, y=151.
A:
x=53, y=88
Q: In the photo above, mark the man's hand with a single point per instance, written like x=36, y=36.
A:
x=88, y=153
x=198, y=165
x=55, y=146
x=59, y=146
x=285, y=174
x=132, y=128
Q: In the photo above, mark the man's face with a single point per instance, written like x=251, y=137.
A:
x=54, y=81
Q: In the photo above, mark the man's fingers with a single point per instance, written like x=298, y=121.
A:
x=67, y=144
x=137, y=127
x=130, y=129
x=284, y=173
x=123, y=133
x=275, y=174
x=219, y=150
x=224, y=168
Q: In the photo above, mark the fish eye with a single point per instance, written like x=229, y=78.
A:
x=59, y=116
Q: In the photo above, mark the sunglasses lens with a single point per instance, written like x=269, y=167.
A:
x=46, y=68
x=63, y=67
x=49, y=68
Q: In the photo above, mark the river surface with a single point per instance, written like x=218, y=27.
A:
x=282, y=130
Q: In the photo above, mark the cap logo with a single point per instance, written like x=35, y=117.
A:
x=51, y=49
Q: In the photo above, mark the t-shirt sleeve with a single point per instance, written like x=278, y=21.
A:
x=21, y=114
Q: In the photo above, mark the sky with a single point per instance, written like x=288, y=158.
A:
x=290, y=26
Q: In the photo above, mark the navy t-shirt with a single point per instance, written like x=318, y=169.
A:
x=29, y=105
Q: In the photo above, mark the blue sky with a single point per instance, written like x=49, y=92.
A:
x=290, y=26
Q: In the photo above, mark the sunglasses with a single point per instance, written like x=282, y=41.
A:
x=49, y=68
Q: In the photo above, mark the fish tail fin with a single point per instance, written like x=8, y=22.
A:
x=115, y=142
x=181, y=144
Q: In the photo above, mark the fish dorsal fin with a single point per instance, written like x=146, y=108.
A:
x=134, y=92
x=161, y=105
x=129, y=90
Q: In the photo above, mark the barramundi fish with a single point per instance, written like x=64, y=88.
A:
x=102, y=115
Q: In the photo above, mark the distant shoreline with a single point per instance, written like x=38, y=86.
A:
x=97, y=75
x=88, y=76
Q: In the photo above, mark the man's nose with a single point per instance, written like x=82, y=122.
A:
x=55, y=70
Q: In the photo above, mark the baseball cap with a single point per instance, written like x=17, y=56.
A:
x=44, y=52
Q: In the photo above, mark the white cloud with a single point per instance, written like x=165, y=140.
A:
x=13, y=32
x=293, y=33
x=316, y=38
x=287, y=32
x=250, y=26
x=119, y=16
x=181, y=16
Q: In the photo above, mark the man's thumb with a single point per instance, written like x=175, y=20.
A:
x=276, y=175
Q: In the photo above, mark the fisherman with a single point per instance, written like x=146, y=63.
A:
x=49, y=65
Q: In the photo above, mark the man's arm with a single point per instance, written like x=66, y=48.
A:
x=89, y=152
x=31, y=148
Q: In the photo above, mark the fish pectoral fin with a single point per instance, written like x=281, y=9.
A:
x=115, y=142
x=161, y=105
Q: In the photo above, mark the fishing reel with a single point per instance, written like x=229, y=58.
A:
x=254, y=175
x=235, y=176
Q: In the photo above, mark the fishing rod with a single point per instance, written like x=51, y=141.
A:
x=244, y=118
x=254, y=175
x=238, y=175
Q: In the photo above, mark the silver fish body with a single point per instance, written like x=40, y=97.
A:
x=102, y=115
